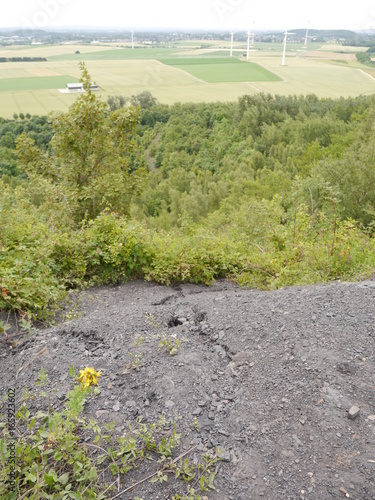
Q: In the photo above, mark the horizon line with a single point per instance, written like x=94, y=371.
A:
x=171, y=29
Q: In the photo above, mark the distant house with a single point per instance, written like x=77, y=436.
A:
x=74, y=87
x=78, y=87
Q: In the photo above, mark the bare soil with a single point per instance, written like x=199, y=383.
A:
x=271, y=377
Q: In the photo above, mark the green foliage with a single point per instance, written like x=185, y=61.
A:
x=257, y=242
x=27, y=277
x=269, y=192
x=261, y=191
x=4, y=327
x=39, y=262
x=365, y=58
x=89, y=156
x=171, y=344
x=38, y=128
x=145, y=100
x=54, y=460
x=116, y=102
x=50, y=461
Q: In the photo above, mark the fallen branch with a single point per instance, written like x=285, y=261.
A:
x=154, y=474
x=40, y=353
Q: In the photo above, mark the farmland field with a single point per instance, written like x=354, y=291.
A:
x=214, y=70
x=114, y=54
x=177, y=74
x=35, y=83
x=48, y=50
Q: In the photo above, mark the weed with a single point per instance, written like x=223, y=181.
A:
x=23, y=327
x=196, y=424
x=4, y=327
x=151, y=321
x=26, y=326
x=171, y=344
x=55, y=460
x=135, y=360
x=138, y=341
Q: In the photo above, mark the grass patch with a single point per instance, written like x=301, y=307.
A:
x=35, y=83
x=222, y=53
x=221, y=70
x=201, y=61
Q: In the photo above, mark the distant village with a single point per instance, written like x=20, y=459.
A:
x=144, y=39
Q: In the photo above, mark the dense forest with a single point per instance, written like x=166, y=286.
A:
x=269, y=191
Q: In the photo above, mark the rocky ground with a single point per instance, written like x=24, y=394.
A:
x=283, y=381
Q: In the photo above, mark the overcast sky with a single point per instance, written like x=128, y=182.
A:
x=190, y=14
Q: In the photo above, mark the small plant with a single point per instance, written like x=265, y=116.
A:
x=151, y=321
x=202, y=473
x=51, y=462
x=26, y=326
x=138, y=341
x=55, y=460
x=206, y=479
x=135, y=360
x=196, y=424
x=4, y=327
x=171, y=344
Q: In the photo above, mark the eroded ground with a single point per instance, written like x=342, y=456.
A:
x=269, y=376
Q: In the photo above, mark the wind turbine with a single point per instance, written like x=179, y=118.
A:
x=231, y=42
x=248, y=46
x=307, y=36
x=132, y=39
x=253, y=36
x=284, y=48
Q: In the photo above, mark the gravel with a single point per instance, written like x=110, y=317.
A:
x=283, y=381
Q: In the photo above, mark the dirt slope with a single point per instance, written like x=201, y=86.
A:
x=269, y=376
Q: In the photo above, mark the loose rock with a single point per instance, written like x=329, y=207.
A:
x=353, y=412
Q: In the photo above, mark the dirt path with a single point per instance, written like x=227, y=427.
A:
x=150, y=159
x=269, y=376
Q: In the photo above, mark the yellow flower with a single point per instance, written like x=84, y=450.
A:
x=88, y=377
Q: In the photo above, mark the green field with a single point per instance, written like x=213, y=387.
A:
x=216, y=70
x=175, y=74
x=35, y=83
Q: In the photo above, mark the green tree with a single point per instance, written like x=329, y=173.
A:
x=116, y=102
x=89, y=156
x=145, y=100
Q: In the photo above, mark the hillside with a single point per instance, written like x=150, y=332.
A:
x=247, y=380
x=269, y=191
x=269, y=377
